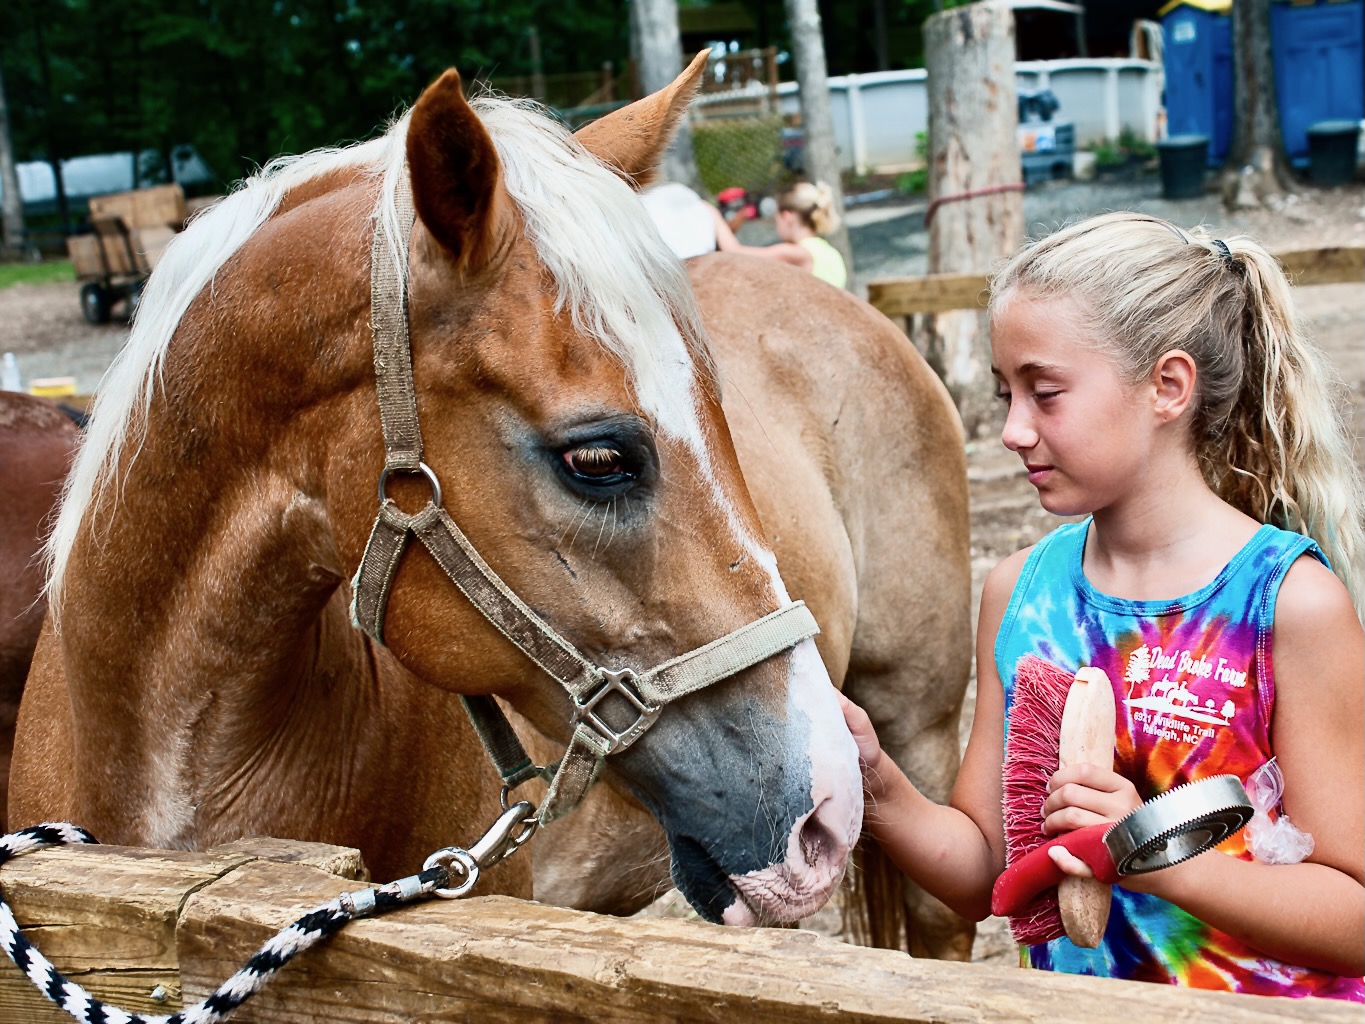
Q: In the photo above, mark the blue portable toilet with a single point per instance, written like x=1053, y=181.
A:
x=1197, y=48
x=1319, y=57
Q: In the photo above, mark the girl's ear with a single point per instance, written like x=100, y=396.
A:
x=1173, y=379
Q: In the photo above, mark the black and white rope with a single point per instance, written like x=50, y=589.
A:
x=313, y=927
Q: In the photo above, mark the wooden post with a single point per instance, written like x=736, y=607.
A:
x=1256, y=167
x=822, y=162
x=976, y=210
x=659, y=58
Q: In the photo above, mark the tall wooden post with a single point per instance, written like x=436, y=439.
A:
x=812, y=78
x=12, y=238
x=1256, y=166
x=657, y=41
x=976, y=210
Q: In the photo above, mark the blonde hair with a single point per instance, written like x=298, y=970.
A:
x=1269, y=427
x=813, y=203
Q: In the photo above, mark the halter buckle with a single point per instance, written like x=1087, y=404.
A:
x=616, y=681
x=421, y=468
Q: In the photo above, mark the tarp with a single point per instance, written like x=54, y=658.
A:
x=1212, y=6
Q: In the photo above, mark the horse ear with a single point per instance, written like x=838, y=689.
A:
x=456, y=178
x=631, y=141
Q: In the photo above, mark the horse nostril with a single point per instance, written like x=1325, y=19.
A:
x=816, y=841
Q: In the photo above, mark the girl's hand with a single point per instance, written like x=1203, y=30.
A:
x=1085, y=795
x=865, y=737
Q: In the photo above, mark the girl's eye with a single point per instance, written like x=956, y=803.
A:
x=1043, y=396
x=599, y=464
x=1003, y=396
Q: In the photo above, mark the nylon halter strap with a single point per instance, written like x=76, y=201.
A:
x=587, y=684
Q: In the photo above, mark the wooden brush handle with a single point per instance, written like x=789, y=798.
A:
x=1087, y=737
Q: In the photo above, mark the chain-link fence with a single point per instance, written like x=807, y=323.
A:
x=740, y=137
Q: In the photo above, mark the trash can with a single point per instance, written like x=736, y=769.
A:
x=1332, y=152
x=1183, y=159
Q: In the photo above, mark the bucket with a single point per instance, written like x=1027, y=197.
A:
x=1183, y=160
x=1332, y=152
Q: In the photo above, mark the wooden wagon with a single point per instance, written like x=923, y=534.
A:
x=131, y=230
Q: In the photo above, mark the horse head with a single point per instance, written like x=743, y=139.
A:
x=571, y=413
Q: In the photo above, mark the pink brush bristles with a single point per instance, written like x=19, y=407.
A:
x=1040, y=691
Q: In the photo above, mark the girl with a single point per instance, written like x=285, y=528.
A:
x=805, y=214
x=1158, y=385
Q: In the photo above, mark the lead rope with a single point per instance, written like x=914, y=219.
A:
x=442, y=868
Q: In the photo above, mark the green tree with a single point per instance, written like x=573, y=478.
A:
x=246, y=80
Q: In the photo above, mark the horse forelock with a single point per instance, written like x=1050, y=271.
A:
x=613, y=271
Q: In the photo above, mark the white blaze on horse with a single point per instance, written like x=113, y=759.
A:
x=199, y=678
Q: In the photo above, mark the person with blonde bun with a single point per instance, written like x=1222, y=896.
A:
x=1161, y=393
x=805, y=215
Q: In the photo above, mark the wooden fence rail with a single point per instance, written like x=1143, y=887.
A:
x=130, y=923
x=940, y=293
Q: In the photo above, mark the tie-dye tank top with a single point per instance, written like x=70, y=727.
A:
x=1194, y=688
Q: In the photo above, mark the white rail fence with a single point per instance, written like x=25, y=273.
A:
x=877, y=116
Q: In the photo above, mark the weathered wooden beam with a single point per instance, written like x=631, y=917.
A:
x=107, y=916
x=935, y=293
x=499, y=960
x=495, y=959
x=1341, y=264
x=939, y=293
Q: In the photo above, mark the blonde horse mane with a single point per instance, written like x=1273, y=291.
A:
x=613, y=272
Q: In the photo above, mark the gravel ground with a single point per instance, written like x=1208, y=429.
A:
x=43, y=325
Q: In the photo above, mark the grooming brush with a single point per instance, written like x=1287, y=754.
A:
x=1056, y=720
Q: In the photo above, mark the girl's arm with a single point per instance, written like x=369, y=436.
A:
x=954, y=852
x=783, y=252
x=1312, y=913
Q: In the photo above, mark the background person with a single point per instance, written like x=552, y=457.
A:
x=805, y=214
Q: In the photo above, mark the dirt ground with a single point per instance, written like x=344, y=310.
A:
x=44, y=327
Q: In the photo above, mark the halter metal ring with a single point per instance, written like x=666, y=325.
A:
x=454, y=860
x=422, y=468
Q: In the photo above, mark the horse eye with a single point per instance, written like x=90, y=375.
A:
x=595, y=462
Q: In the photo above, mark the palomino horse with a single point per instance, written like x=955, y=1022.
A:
x=853, y=454
x=199, y=678
x=37, y=440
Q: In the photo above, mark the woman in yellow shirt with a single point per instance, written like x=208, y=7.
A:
x=805, y=214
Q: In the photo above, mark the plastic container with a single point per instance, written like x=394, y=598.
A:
x=10, y=380
x=1183, y=161
x=1332, y=152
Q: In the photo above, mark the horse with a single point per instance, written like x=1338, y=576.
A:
x=465, y=332
x=835, y=500
x=853, y=454
x=37, y=440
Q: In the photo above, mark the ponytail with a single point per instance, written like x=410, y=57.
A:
x=1285, y=455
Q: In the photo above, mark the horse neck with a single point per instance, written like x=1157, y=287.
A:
x=201, y=602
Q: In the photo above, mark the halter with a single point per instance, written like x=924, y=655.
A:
x=586, y=683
